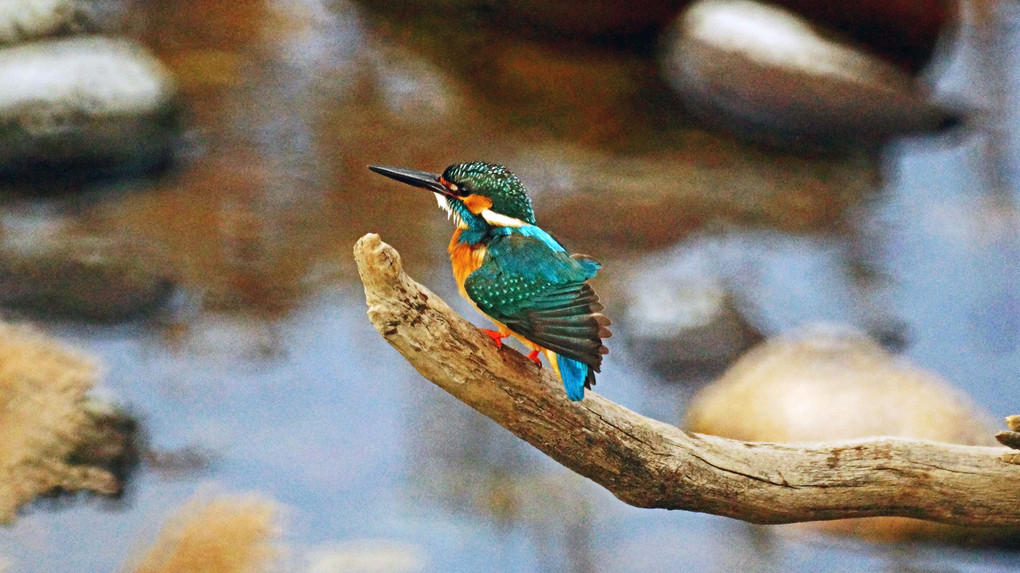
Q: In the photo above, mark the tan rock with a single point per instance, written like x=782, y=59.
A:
x=43, y=419
x=223, y=534
x=825, y=383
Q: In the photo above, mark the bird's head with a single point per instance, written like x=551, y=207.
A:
x=473, y=193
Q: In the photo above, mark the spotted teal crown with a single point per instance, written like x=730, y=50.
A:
x=495, y=182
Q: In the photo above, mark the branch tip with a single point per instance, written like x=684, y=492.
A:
x=378, y=263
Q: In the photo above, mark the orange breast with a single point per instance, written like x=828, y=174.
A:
x=465, y=260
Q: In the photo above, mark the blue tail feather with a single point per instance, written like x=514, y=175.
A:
x=574, y=374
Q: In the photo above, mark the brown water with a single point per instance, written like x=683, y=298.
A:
x=265, y=375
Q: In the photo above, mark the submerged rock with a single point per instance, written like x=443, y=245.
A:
x=654, y=200
x=763, y=73
x=88, y=102
x=826, y=383
x=686, y=325
x=84, y=278
x=382, y=555
x=606, y=18
x=225, y=533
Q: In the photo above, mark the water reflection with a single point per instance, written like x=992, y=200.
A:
x=469, y=466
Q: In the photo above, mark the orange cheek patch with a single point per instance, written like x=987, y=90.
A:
x=477, y=203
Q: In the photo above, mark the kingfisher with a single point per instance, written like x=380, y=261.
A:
x=515, y=273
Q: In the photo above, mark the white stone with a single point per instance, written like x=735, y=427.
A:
x=24, y=19
x=763, y=73
x=99, y=75
x=80, y=99
x=774, y=36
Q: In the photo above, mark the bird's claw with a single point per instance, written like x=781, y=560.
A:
x=496, y=336
x=533, y=356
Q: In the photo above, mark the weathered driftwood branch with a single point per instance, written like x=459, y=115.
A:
x=648, y=463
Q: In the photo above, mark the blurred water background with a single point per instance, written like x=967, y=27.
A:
x=259, y=370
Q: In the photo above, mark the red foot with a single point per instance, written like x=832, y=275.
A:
x=496, y=336
x=533, y=356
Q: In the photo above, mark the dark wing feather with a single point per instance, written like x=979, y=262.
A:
x=542, y=294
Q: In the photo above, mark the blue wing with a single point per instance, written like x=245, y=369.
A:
x=542, y=294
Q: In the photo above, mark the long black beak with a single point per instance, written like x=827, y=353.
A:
x=421, y=179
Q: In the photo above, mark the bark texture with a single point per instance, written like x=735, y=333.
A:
x=647, y=463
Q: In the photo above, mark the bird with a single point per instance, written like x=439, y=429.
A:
x=515, y=273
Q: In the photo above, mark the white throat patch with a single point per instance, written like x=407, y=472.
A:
x=444, y=204
x=497, y=220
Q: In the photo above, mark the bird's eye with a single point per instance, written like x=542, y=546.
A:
x=456, y=189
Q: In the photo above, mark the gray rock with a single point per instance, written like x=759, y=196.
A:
x=763, y=73
x=83, y=102
x=96, y=279
x=684, y=322
x=25, y=19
